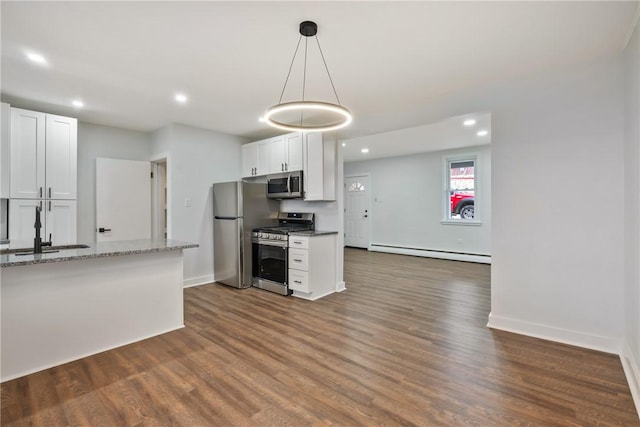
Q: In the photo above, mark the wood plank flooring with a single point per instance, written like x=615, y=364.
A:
x=406, y=344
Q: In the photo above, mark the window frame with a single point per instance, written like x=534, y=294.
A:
x=446, y=181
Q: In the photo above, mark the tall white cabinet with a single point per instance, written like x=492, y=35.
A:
x=43, y=174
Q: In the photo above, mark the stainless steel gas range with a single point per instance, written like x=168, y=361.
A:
x=270, y=247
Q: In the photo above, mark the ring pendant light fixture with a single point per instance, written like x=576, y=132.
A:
x=285, y=115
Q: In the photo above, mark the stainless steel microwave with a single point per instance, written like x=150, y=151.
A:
x=285, y=185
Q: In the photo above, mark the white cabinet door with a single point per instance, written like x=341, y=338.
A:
x=5, y=135
x=61, y=157
x=249, y=159
x=58, y=218
x=27, y=152
x=320, y=168
x=277, y=154
x=263, y=157
x=294, y=157
x=61, y=218
x=22, y=217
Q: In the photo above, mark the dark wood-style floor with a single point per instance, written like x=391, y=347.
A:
x=406, y=344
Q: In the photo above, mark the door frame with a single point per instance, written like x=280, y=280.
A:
x=344, y=221
x=155, y=192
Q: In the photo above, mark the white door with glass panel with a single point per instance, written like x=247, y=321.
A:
x=123, y=200
x=356, y=218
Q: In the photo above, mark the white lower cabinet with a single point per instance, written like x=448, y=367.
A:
x=58, y=218
x=312, y=265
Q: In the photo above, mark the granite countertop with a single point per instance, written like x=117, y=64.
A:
x=94, y=250
x=311, y=233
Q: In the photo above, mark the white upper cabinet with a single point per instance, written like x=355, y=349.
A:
x=277, y=154
x=255, y=158
x=43, y=151
x=5, y=126
x=27, y=153
x=294, y=160
x=61, y=157
x=320, y=167
x=249, y=159
x=286, y=153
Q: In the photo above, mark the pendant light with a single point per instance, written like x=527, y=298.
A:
x=303, y=115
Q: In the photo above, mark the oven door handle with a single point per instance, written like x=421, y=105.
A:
x=281, y=243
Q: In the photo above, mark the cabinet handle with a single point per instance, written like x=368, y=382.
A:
x=40, y=205
x=49, y=192
x=297, y=260
x=298, y=282
x=297, y=243
x=286, y=166
x=49, y=205
x=282, y=167
x=41, y=192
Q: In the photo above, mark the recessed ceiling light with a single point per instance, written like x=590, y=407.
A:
x=482, y=133
x=469, y=122
x=364, y=150
x=77, y=103
x=181, y=98
x=37, y=58
x=344, y=144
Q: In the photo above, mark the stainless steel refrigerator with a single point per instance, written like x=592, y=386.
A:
x=238, y=207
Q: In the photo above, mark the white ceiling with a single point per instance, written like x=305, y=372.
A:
x=126, y=60
x=444, y=135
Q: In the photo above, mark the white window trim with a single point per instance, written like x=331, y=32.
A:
x=446, y=161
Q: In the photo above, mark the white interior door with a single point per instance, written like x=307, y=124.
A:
x=123, y=199
x=357, y=210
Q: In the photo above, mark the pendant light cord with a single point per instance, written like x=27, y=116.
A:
x=327, y=68
x=290, y=67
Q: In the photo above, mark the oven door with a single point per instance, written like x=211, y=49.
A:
x=270, y=261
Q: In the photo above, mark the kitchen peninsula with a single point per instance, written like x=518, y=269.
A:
x=62, y=306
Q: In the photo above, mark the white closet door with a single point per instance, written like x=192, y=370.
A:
x=123, y=200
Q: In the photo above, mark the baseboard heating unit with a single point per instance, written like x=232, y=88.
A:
x=430, y=253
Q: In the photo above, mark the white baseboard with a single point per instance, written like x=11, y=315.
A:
x=341, y=286
x=454, y=256
x=632, y=372
x=197, y=281
x=565, y=336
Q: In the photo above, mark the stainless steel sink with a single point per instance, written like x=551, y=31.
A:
x=52, y=249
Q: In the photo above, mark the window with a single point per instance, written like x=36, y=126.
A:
x=356, y=186
x=461, y=189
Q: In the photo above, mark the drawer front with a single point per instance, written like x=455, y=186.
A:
x=299, y=242
x=299, y=280
x=299, y=259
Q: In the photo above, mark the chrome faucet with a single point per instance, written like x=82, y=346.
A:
x=37, y=242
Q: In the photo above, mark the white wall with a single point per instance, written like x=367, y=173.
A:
x=407, y=202
x=558, y=187
x=198, y=158
x=101, y=141
x=631, y=357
